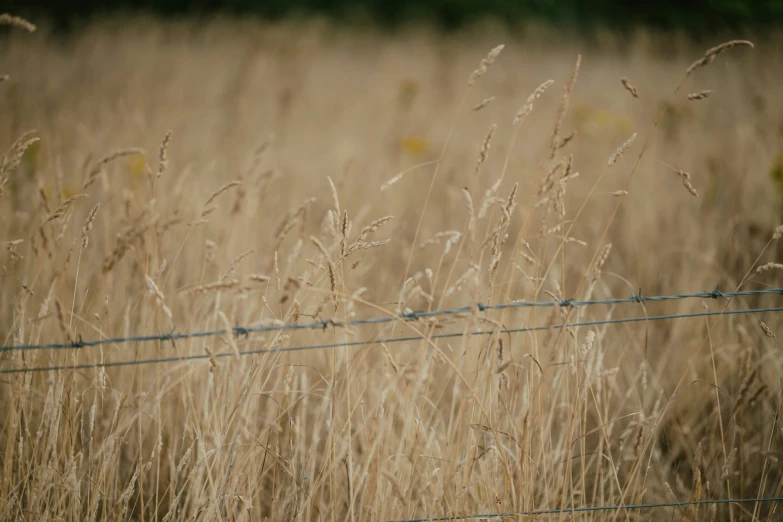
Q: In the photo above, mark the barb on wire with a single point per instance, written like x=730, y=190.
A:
x=410, y=316
x=383, y=341
x=597, y=508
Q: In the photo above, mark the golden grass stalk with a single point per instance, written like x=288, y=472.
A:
x=489, y=199
x=485, y=63
x=471, y=215
x=93, y=174
x=155, y=291
x=484, y=152
x=628, y=87
x=163, y=159
x=483, y=103
x=334, y=195
x=686, y=182
x=609, y=372
x=461, y=280
x=17, y=21
x=767, y=331
x=212, y=362
x=375, y=225
x=88, y=225
x=13, y=157
x=221, y=190
x=528, y=106
x=450, y=237
x=769, y=266
x=561, y=113
x=726, y=470
x=700, y=95
x=399, y=175
x=587, y=345
x=215, y=286
x=614, y=158
x=235, y=262
x=60, y=211
x=712, y=53
x=601, y=259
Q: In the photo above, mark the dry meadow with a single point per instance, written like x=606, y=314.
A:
x=178, y=177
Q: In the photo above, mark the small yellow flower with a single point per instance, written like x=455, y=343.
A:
x=414, y=145
x=137, y=165
x=594, y=121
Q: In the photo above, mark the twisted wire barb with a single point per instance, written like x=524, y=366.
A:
x=410, y=316
x=383, y=341
x=597, y=508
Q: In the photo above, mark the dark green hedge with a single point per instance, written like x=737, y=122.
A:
x=698, y=16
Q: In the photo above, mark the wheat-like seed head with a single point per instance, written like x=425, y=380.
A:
x=485, y=62
x=528, y=106
x=334, y=195
x=686, y=182
x=713, y=52
x=700, y=95
x=726, y=470
x=13, y=157
x=16, y=21
x=628, y=87
x=92, y=175
x=484, y=152
x=163, y=159
x=221, y=190
x=624, y=147
x=155, y=291
x=483, y=103
x=769, y=266
x=60, y=211
x=471, y=215
x=767, y=331
x=561, y=113
x=88, y=225
x=602, y=257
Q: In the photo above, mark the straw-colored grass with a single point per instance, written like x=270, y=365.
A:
x=280, y=159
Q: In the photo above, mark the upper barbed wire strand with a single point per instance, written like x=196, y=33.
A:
x=410, y=316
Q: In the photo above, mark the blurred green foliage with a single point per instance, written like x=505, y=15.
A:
x=696, y=16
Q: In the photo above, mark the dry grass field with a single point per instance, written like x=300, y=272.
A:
x=267, y=204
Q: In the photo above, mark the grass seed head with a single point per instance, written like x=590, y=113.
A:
x=712, y=53
x=700, y=95
x=620, y=151
x=485, y=63
x=16, y=21
x=628, y=87
x=483, y=103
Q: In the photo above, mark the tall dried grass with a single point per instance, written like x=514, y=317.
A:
x=300, y=228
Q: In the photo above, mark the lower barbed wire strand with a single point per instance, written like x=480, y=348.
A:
x=565, y=511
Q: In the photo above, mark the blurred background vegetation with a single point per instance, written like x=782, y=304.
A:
x=699, y=17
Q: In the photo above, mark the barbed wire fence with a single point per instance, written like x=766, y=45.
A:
x=594, y=509
x=240, y=331
x=324, y=325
